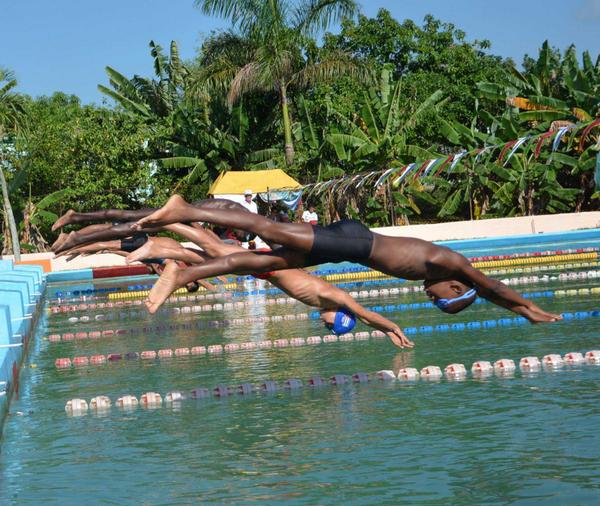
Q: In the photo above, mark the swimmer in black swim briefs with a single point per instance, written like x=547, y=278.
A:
x=450, y=280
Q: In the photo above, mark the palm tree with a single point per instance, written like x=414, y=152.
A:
x=276, y=36
x=12, y=117
x=151, y=98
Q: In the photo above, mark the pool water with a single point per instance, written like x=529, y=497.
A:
x=527, y=439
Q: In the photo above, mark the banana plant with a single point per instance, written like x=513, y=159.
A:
x=376, y=135
x=37, y=215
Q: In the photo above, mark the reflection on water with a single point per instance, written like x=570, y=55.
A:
x=523, y=438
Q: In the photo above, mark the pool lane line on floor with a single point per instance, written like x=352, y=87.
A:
x=201, y=324
x=217, y=349
x=504, y=368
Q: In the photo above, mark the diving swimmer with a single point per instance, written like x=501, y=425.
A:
x=449, y=279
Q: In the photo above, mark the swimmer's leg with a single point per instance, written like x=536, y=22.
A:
x=298, y=236
x=238, y=263
x=122, y=215
x=85, y=236
x=164, y=247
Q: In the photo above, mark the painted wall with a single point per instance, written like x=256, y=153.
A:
x=21, y=289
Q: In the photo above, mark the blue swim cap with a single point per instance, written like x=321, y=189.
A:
x=344, y=322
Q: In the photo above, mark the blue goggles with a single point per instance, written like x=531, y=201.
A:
x=446, y=303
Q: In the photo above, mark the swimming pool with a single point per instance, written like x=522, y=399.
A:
x=526, y=438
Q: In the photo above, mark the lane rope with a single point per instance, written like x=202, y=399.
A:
x=503, y=368
x=226, y=322
x=217, y=349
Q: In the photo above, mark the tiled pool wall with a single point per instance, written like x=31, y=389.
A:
x=21, y=291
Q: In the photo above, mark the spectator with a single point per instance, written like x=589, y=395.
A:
x=249, y=203
x=310, y=216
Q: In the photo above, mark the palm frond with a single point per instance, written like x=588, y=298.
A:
x=247, y=79
x=332, y=67
x=314, y=16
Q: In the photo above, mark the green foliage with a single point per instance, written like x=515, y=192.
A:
x=99, y=155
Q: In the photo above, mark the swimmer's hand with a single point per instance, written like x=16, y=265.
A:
x=398, y=338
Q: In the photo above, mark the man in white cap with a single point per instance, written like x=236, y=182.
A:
x=249, y=203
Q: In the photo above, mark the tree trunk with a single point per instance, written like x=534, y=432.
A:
x=10, y=217
x=287, y=126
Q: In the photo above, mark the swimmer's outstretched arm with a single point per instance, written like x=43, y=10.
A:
x=375, y=320
x=497, y=292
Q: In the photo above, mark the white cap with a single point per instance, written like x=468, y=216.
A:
x=248, y=192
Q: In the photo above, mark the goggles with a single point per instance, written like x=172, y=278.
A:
x=446, y=303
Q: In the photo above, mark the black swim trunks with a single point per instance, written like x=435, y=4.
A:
x=345, y=240
x=132, y=243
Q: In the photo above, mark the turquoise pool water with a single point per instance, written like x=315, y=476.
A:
x=527, y=439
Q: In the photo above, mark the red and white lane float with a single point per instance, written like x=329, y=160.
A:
x=127, y=401
x=482, y=368
x=99, y=403
x=455, y=371
x=530, y=364
x=553, y=361
x=150, y=399
x=504, y=366
x=174, y=396
x=573, y=358
x=593, y=357
x=386, y=375
x=76, y=406
x=408, y=374
x=431, y=372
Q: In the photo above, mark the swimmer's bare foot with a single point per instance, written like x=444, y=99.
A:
x=64, y=220
x=62, y=237
x=164, y=286
x=172, y=212
x=69, y=243
x=537, y=315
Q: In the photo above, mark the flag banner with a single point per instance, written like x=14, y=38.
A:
x=384, y=176
x=585, y=133
x=456, y=160
x=430, y=166
x=540, y=143
x=443, y=165
x=405, y=173
x=559, y=135
x=516, y=146
x=364, y=179
x=423, y=168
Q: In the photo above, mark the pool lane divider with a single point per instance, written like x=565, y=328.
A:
x=217, y=349
x=185, y=310
x=503, y=368
x=72, y=308
x=485, y=262
x=138, y=291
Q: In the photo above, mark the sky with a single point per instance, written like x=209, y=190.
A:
x=64, y=45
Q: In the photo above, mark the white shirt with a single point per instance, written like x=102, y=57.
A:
x=308, y=217
x=251, y=206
